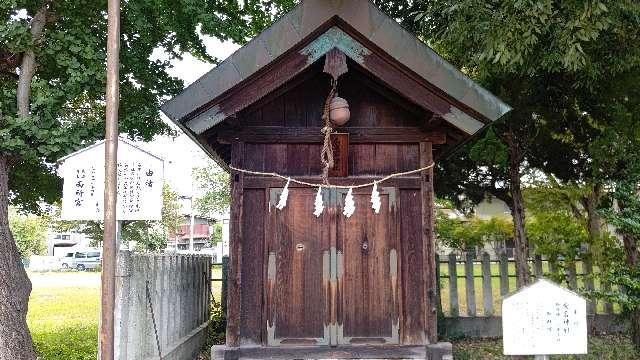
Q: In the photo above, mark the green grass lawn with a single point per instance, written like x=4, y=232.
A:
x=64, y=308
x=63, y=315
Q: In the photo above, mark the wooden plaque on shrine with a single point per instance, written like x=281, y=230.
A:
x=340, y=143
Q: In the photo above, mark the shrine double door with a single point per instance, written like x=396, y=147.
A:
x=332, y=280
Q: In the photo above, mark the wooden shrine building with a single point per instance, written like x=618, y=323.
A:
x=332, y=286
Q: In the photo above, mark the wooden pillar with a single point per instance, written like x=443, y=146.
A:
x=428, y=243
x=235, y=247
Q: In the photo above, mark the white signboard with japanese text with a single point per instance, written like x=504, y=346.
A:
x=544, y=319
x=140, y=180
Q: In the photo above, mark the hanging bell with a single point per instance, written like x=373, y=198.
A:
x=339, y=111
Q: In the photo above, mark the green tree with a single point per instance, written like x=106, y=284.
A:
x=216, y=235
x=52, y=81
x=541, y=57
x=217, y=196
x=30, y=233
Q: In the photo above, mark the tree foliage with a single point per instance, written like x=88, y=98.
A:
x=30, y=233
x=464, y=234
x=217, y=193
x=67, y=92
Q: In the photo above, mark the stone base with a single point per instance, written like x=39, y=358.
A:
x=439, y=351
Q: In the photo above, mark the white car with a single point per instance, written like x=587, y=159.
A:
x=82, y=260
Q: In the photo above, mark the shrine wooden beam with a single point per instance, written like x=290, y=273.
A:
x=428, y=244
x=277, y=134
x=235, y=248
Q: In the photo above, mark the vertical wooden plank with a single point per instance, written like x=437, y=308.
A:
x=608, y=307
x=386, y=158
x=470, y=284
x=538, y=266
x=553, y=266
x=253, y=218
x=225, y=280
x=587, y=271
x=235, y=247
x=504, y=274
x=297, y=159
x=273, y=112
x=412, y=280
x=255, y=157
x=428, y=242
x=453, y=286
x=407, y=157
x=572, y=279
x=487, y=292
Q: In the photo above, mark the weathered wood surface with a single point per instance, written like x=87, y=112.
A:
x=301, y=135
x=487, y=292
x=504, y=274
x=453, y=285
x=235, y=248
x=340, y=143
x=335, y=63
x=428, y=241
x=412, y=280
x=470, y=283
x=297, y=269
x=367, y=268
x=252, y=321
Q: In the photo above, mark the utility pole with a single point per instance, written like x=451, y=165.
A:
x=110, y=247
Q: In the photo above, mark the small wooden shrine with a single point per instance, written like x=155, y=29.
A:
x=324, y=272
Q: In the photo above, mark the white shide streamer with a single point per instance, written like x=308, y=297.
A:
x=375, y=199
x=349, y=204
x=283, y=196
x=319, y=207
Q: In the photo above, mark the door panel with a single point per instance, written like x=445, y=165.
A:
x=298, y=271
x=367, y=265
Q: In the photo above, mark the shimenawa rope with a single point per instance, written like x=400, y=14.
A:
x=330, y=186
x=326, y=156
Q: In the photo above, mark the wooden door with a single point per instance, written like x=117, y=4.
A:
x=367, y=261
x=298, y=271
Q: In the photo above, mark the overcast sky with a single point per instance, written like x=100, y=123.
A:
x=181, y=154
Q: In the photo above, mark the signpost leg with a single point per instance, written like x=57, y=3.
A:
x=541, y=357
x=110, y=189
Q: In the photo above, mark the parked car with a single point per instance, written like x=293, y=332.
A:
x=82, y=260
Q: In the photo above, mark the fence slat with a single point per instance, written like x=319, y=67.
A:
x=487, y=292
x=504, y=274
x=572, y=279
x=587, y=270
x=553, y=266
x=225, y=277
x=537, y=265
x=470, y=285
x=608, y=307
x=453, y=285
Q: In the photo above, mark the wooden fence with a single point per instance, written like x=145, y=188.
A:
x=471, y=287
x=475, y=287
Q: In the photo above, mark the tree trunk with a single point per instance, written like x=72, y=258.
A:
x=28, y=65
x=521, y=251
x=15, y=287
x=635, y=328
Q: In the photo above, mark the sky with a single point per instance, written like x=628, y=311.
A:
x=181, y=154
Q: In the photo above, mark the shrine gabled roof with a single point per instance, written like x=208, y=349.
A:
x=313, y=28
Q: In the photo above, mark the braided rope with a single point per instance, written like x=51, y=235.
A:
x=330, y=186
x=326, y=155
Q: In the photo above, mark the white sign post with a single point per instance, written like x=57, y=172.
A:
x=544, y=319
x=140, y=179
